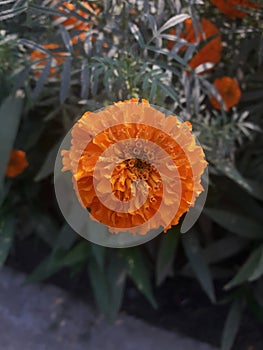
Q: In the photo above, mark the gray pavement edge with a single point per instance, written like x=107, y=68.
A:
x=44, y=317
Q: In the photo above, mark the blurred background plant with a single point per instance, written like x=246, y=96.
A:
x=59, y=59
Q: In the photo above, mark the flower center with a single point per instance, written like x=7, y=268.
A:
x=132, y=176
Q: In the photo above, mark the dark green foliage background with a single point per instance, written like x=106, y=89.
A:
x=35, y=115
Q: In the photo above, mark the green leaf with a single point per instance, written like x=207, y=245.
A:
x=66, y=38
x=21, y=76
x=173, y=21
x=34, y=46
x=99, y=285
x=49, y=163
x=259, y=269
x=152, y=23
x=153, y=90
x=45, y=269
x=231, y=325
x=224, y=248
x=137, y=34
x=19, y=3
x=116, y=276
x=198, y=264
x=235, y=223
x=84, y=78
x=254, y=306
x=98, y=252
x=10, y=113
x=46, y=227
x=41, y=81
x=108, y=284
x=48, y=11
x=59, y=259
x=242, y=199
x=6, y=236
x=10, y=13
x=203, y=67
x=65, y=239
x=139, y=273
x=169, y=91
x=79, y=253
x=166, y=254
x=230, y=170
x=251, y=270
x=65, y=80
x=95, y=80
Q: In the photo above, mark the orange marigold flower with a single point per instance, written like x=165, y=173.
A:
x=130, y=153
x=229, y=90
x=71, y=20
x=209, y=52
x=74, y=22
x=78, y=38
x=229, y=7
x=17, y=163
x=42, y=57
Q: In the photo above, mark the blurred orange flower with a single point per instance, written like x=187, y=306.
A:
x=210, y=51
x=229, y=90
x=42, y=57
x=134, y=172
x=76, y=24
x=229, y=7
x=17, y=163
